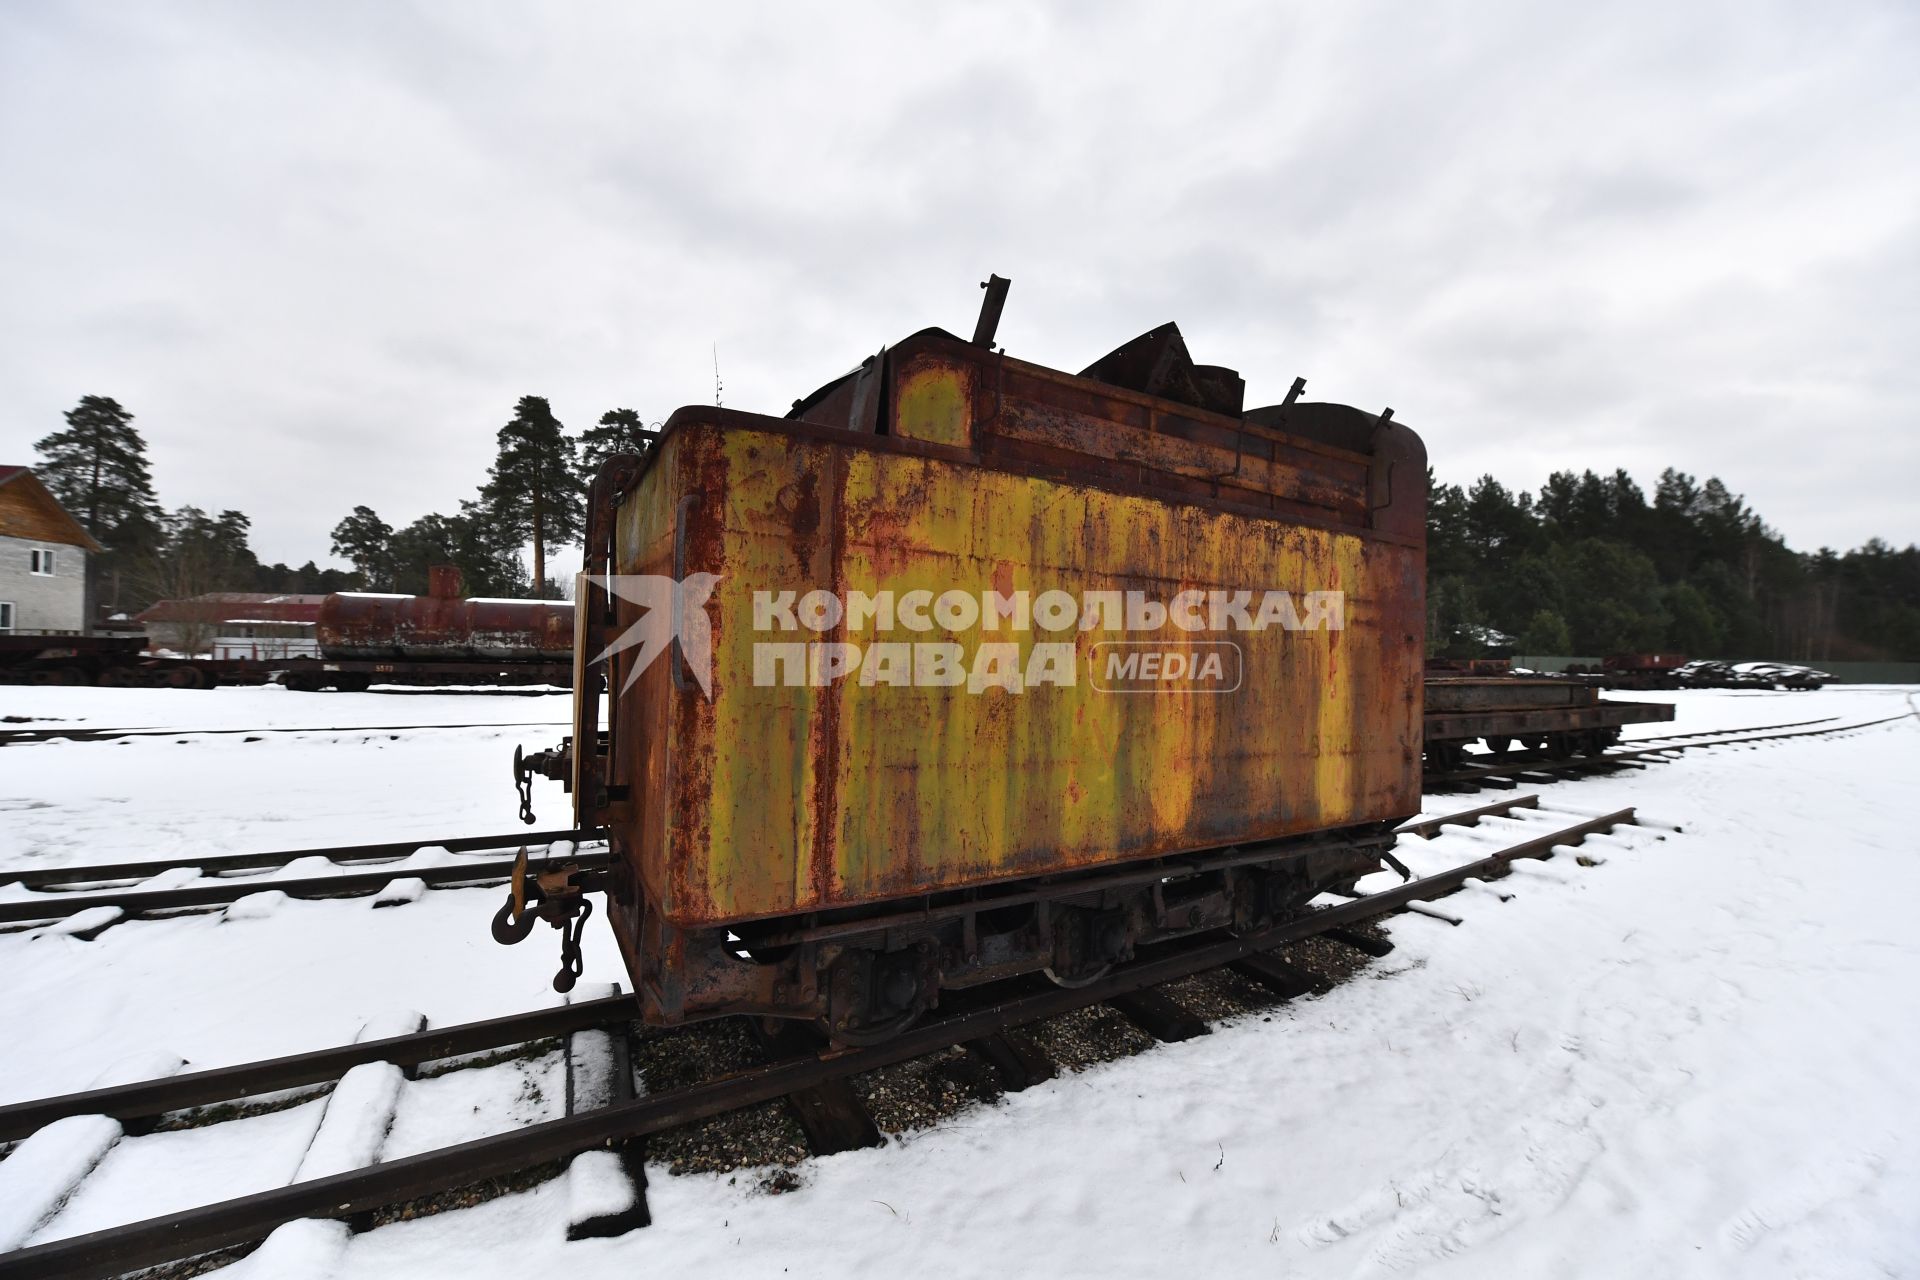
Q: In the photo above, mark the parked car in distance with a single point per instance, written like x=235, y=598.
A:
x=1706, y=674
x=1782, y=675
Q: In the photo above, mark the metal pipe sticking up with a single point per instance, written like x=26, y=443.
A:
x=989, y=323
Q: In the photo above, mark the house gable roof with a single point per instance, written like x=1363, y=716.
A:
x=20, y=481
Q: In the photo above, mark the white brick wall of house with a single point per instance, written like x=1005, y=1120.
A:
x=43, y=602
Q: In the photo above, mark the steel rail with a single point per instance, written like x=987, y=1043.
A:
x=1428, y=828
x=41, y=877
x=145, y=1098
x=242, y=1220
x=1614, y=758
x=9, y=737
x=137, y=902
x=1753, y=736
x=1714, y=733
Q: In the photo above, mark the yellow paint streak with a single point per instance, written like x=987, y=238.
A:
x=1334, y=774
x=643, y=540
x=936, y=785
x=934, y=405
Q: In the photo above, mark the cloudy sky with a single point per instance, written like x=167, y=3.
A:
x=319, y=250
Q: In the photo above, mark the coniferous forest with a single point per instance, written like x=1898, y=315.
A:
x=1591, y=566
x=534, y=495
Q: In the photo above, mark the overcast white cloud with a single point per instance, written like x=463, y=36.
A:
x=320, y=250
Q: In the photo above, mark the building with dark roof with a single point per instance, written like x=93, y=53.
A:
x=43, y=559
x=235, y=624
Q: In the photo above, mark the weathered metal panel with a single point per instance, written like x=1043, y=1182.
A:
x=934, y=400
x=355, y=625
x=1516, y=722
x=1448, y=694
x=771, y=799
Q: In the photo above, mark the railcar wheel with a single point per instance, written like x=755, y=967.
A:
x=1087, y=944
x=873, y=996
x=1074, y=982
x=864, y=1037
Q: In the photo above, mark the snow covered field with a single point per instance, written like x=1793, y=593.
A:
x=1691, y=1060
x=66, y=802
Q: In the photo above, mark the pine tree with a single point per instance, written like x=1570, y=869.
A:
x=97, y=467
x=619, y=431
x=489, y=558
x=198, y=554
x=533, y=492
x=366, y=540
x=489, y=562
x=1546, y=634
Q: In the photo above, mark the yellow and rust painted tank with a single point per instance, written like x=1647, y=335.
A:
x=811, y=768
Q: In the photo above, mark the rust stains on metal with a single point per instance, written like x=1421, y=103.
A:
x=985, y=473
x=442, y=625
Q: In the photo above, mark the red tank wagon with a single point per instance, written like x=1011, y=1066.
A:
x=441, y=624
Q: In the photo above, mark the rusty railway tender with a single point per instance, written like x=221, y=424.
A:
x=967, y=668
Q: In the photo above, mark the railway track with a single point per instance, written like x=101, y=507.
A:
x=15, y=737
x=56, y=893
x=64, y=892
x=814, y=1080
x=1511, y=771
x=150, y=1099
x=1714, y=733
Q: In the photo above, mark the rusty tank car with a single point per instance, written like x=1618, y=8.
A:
x=443, y=624
x=967, y=668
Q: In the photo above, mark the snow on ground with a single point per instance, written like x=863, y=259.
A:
x=1690, y=1060
x=67, y=802
x=270, y=706
x=217, y=991
x=1697, y=710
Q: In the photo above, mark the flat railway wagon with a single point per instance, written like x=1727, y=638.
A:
x=819, y=808
x=1560, y=718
